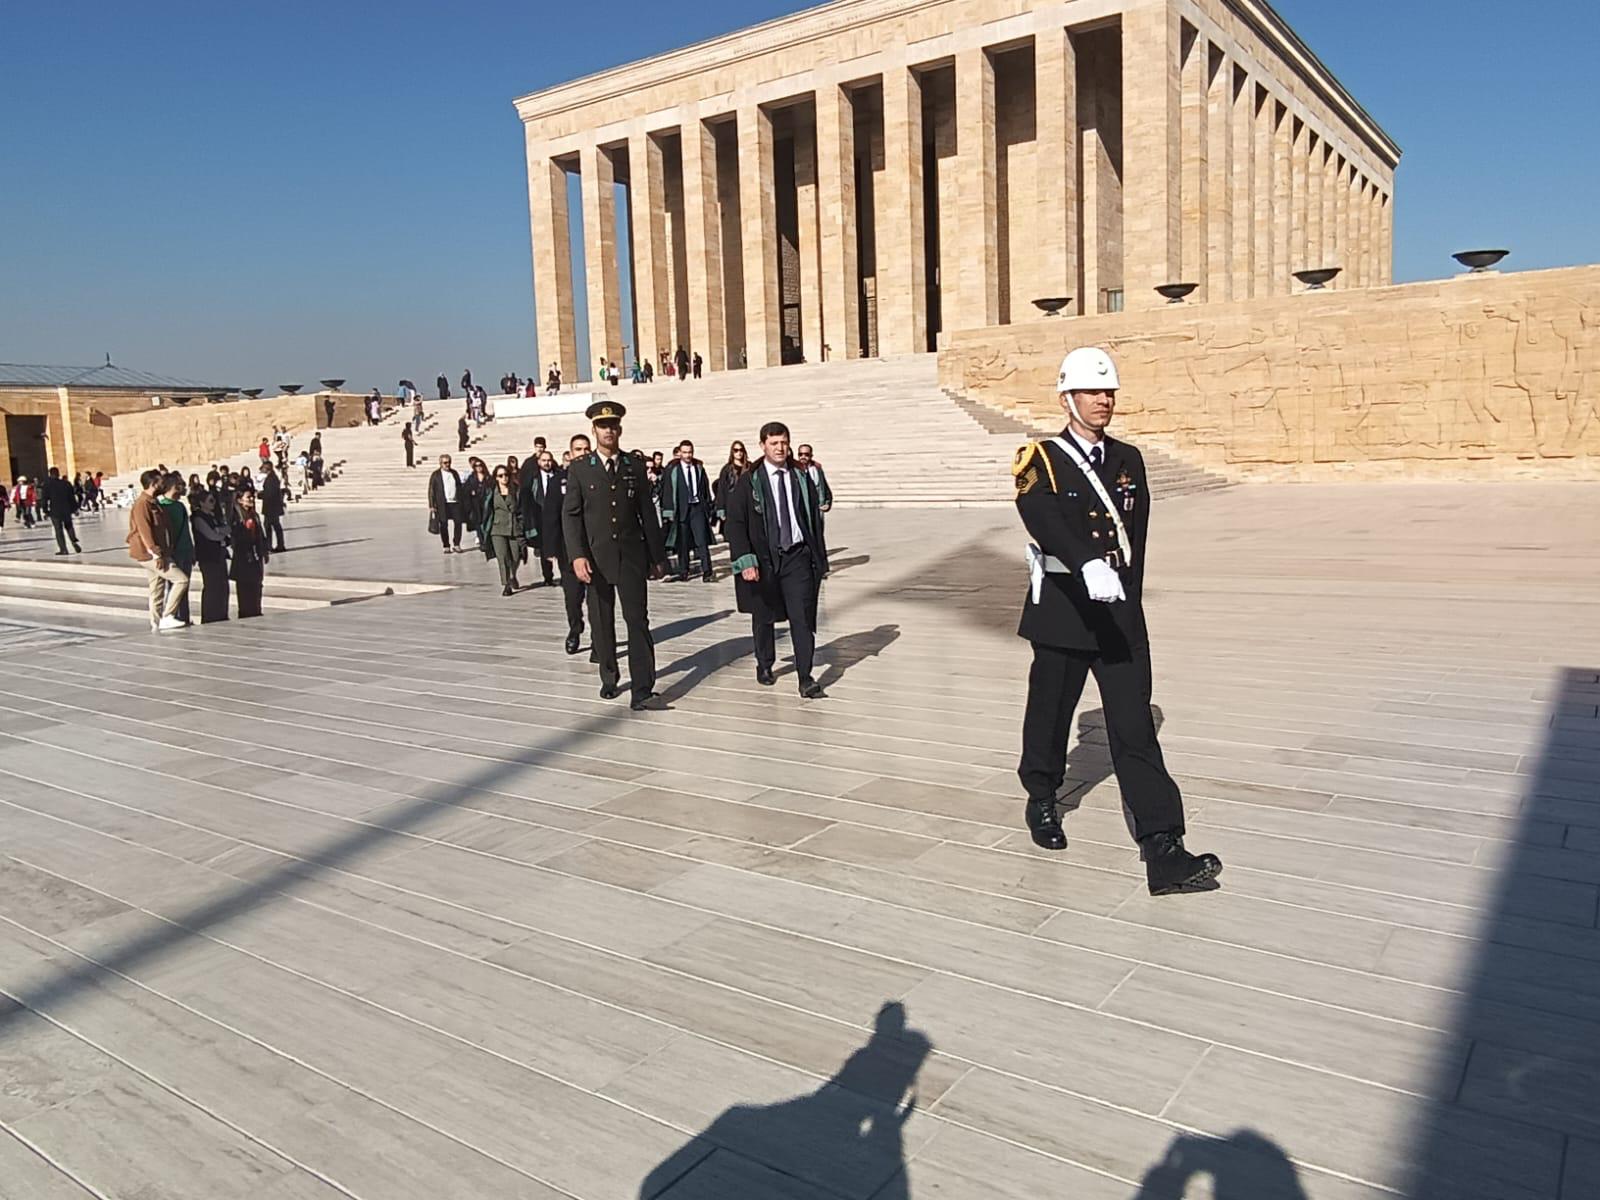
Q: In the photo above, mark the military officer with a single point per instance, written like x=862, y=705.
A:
x=615, y=544
x=1085, y=501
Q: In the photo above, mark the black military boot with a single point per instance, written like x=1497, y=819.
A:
x=1170, y=869
x=1044, y=823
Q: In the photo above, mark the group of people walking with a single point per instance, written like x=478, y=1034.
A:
x=610, y=519
x=57, y=499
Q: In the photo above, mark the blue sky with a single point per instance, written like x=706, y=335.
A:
x=260, y=194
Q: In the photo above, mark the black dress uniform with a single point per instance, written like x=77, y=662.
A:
x=609, y=518
x=1073, y=634
x=546, y=498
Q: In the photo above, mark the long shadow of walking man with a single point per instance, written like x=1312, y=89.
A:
x=846, y=1137
x=1243, y=1166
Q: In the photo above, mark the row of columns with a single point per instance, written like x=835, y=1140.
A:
x=1223, y=183
x=1262, y=189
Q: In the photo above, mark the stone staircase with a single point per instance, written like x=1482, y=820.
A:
x=887, y=434
x=95, y=597
x=1168, y=474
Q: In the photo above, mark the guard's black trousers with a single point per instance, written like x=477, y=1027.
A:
x=1055, y=683
x=797, y=580
x=64, y=531
x=603, y=595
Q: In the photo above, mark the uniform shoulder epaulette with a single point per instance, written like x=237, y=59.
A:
x=1031, y=466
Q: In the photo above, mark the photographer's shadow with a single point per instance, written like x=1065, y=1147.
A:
x=1243, y=1166
x=845, y=1138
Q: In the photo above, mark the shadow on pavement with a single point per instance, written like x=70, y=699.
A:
x=845, y=1138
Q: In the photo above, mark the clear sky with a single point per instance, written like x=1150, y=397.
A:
x=255, y=194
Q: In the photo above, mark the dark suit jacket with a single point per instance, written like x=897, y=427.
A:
x=271, y=496
x=612, y=522
x=542, y=503
x=752, y=529
x=675, y=502
x=436, y=489
x=1067, y=519
x=60, y=500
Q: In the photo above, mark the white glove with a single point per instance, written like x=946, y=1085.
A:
x=1103, y=583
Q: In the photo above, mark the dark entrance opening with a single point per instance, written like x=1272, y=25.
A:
x=27, y=437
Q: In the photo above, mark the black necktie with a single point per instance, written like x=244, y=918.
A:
x=1096, y=453
x=784, y=540
x=611, y=468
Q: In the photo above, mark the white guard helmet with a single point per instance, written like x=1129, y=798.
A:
x=1087, y=369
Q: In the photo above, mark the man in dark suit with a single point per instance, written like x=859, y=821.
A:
x=548, y=490
x=61, y=505
x=1085, y=501
x=614, y=541
x=686, y=503
x=272, y=508
x=446, y=498
x=779, y=554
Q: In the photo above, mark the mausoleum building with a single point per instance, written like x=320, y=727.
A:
x=858, y=178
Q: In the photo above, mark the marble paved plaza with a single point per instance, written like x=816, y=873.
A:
x=379, y=900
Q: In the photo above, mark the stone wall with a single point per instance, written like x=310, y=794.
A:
x=203, y=433
x=1480, y=376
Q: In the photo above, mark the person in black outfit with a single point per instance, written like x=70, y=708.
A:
x=779, y=556
x=272, y=508
x=463, y=434
x=681, y=360
x=444, y=387
x=615, y=544
x=250, y=555
x=548, y=489
x=686, y=503
x=698, y=362
x=445, y=498
x=328, y=407
x=61, y=504
x=411, y=444
x=722, y=491
x=1085, y=500
x=211, y=555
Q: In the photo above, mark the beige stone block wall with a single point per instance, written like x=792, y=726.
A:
x=197, y=433
x=1482, y=376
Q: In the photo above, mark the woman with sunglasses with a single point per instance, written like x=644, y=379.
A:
x=500, y=527
x=738, y=463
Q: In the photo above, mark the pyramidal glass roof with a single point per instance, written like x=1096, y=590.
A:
x=104, y=376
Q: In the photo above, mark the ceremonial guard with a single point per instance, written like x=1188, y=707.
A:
x=615, y=545
x=1085, y=501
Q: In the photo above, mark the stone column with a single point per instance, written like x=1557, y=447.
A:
x=836, y=214
x=647, y=200
x=703, y=238
x=1195, y=186
x=1219, y=178
x=1347, y=249
x=1314, y=255
x=1331, y=250
x=1299, y=235
x=1369, y=230
x=1265, y=160
x=1243, y=100
x=1055, y=65
x=808, y=244
x=1386, y=241
x=758, y=215
x=600, y=254
x=552, y=264
x=902, y=238
x=1282, y=196
x=978, y=251
x=1152, y=152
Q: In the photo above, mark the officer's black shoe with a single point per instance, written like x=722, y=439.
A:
x=507, y=590
x=572, y=642
x=1044, y=823
x=764, y=676
x=1171, y=869
x=609, y=691
x=645, y=702
x=811, y=689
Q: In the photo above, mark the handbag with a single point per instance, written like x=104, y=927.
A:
x=433, y=524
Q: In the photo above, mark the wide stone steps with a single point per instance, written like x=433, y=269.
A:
x=92, y=594
x=888, y=436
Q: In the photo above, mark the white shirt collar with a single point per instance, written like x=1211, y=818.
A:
x=1087, y=446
